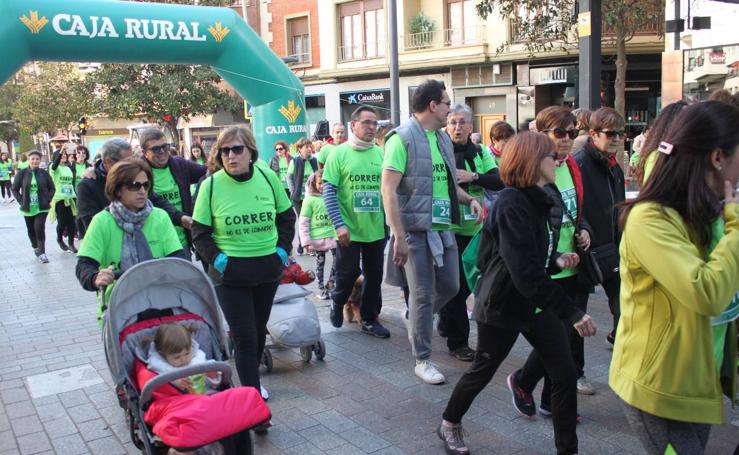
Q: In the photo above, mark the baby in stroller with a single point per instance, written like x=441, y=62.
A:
x=172, y=348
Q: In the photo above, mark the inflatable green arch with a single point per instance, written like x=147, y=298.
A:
x=131, y=32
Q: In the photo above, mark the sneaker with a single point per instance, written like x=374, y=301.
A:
x=584, y=387
x=611, y=337
x=545, y=411
x=262, y=428
x=522, y=401
x=453, y=437
x=428, y=372
x=375, y=329
x=265, y=394
x=465, y=354
x=72, y=248
x=62, y=245
x=323, y=294
x=336, y=314
x=42, y=257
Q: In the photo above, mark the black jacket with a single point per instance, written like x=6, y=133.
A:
x=22, y=188
x=603, y=186
x=466, y=154
x=514, y=248
x=91, y=198
x=298, y=175
x=186, y=173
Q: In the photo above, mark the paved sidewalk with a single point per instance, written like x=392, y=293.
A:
x=363, y=398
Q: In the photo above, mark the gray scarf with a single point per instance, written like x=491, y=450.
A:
x=135, y=248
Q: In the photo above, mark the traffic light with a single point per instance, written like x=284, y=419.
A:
x=82, y=125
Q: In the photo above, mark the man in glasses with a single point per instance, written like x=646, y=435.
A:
x=603, y=186
x=476, y=172
x=354, y=204
x=173, y=176
x=421, y=198
x=91, y=197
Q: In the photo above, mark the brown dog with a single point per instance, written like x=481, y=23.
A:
x=351, y=308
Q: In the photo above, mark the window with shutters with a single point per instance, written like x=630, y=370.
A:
x=363, y=33
x=298, y=42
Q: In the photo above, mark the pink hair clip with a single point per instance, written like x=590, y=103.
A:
x=665, y=147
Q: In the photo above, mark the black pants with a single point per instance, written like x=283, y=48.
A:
x=64, y=222
x=80, y=228
x=533, y=370
x=298, y=206
x=613, y=290
x=549, y=337
x=372, y=256
x=5, y=187
x=36, y=231
x=247, y=311
x=453, y=319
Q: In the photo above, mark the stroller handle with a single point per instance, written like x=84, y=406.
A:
x=162, y=379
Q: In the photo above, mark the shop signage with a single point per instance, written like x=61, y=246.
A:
x=717, y=57
x=551, y=75
x=377, y=97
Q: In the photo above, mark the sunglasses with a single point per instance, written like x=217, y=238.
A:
x=157, y=149
x=560, y=133
x=279, y=148
x=613, y=134
x=236, y=150
x=135, y=187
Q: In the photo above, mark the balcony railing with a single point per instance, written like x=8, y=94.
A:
x=299, y=59
x=445, y=38
x=361, y=52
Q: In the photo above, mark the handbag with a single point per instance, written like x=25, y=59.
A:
x=598, y=264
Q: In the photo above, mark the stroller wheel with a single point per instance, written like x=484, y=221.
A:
x=320, y=349
x=267, y=360
x=306, y=352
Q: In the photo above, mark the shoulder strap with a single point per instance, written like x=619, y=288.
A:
x=210, y=202
x=274, y=196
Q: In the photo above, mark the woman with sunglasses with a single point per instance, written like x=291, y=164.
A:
x=573, y=232
x=678, y=273
x=280, y=162
x=603, y=186
x=516, y=294
x=130, y=230
x=243, y=227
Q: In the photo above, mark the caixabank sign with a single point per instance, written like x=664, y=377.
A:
x=133, y=32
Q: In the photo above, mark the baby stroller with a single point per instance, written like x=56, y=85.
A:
x=158, y=415
x=293, y=323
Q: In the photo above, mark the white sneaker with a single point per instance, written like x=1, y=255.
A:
x=43, y=258
x=265, y=394
x=584, y=387
x=428, y=372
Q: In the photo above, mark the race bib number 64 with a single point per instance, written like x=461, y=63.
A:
x=366, y=201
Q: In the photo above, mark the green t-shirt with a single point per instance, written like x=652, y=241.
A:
x=64, y=183
x=79, y=170
x=166, y=186
x=566, y=244
x=242, y=214
x=104, y=239
x=396, y=158
x=33, y=208
x=321, y=226
x=357, y=176
x=324, y=153
x=5, y=167
x=283, y=171
x=308, y=170
x=22, y=165
x=469, y=226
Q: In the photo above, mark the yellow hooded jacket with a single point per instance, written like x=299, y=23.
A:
x=663, y=361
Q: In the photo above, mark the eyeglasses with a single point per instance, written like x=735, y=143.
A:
x=552, y=155
x=455, y=124
x=613, y=134
x=369, y=123
x=448, y=103
x=560, y=133
x=135, y=187
x=236, y=150
x=157, y=149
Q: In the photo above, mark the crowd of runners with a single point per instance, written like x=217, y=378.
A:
x=528, y=226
